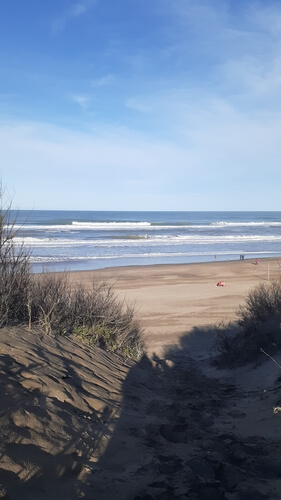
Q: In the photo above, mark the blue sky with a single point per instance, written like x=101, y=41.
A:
x=141, y=104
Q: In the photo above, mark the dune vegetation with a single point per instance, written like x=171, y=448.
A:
x=258, y=328
x=49, y=302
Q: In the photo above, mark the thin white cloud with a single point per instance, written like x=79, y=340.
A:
x=104, y=81
x=259, y=80
x=218, y=34
x=82, y=100
x=75, y=10
x=79, y=8
x=199, y=19
x=199, y=14
x=236, y=56
x=267, y=17
x=137, y=104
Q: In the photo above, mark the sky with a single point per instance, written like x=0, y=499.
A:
x=141, y=104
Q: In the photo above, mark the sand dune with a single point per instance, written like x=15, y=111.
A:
x=78, y=422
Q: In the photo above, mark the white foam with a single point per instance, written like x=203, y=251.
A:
x=41, y=259
x=163, y=240
x=130, y=226
x=244, y=224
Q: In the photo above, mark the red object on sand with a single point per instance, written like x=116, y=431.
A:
x=221, y=283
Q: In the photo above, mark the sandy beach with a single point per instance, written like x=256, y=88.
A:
x=79, y=422
x=171, y=300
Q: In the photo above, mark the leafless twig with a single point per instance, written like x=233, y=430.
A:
x=268, y=355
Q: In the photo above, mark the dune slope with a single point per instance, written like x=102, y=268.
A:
x=78, y=422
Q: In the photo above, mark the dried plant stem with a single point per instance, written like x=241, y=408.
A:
x=268, y=355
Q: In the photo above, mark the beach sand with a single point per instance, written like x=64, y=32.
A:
x=172, y=299
x=78, y=422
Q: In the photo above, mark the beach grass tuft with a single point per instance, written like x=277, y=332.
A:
x=257, y=330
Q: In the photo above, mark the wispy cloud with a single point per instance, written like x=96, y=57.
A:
x=137, y=104
x=82, y=100
x=103, y=81
x=266, y=17
x=200, y=14
x=75, y=10
x=259, y=81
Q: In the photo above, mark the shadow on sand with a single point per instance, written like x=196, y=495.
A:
x=164, y=445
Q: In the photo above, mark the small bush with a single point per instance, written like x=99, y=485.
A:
x=95, y=315
x=14, y=269
x=258, y=326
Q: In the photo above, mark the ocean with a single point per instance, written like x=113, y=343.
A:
x=85, y=240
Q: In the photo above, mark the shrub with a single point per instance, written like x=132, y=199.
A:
x=48, y=302
x=95, y=315
x=258, y=326
x=15, y=270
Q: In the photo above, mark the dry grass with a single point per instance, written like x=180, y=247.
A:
x=93, y=314
x=258, y=328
